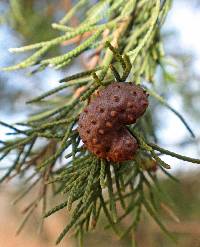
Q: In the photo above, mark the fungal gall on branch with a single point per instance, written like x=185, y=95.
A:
x=102, y=124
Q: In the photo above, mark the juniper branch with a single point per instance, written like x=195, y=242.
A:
x=131, y=30
x=178, y=156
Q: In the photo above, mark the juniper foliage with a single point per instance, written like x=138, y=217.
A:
x=125, y=41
